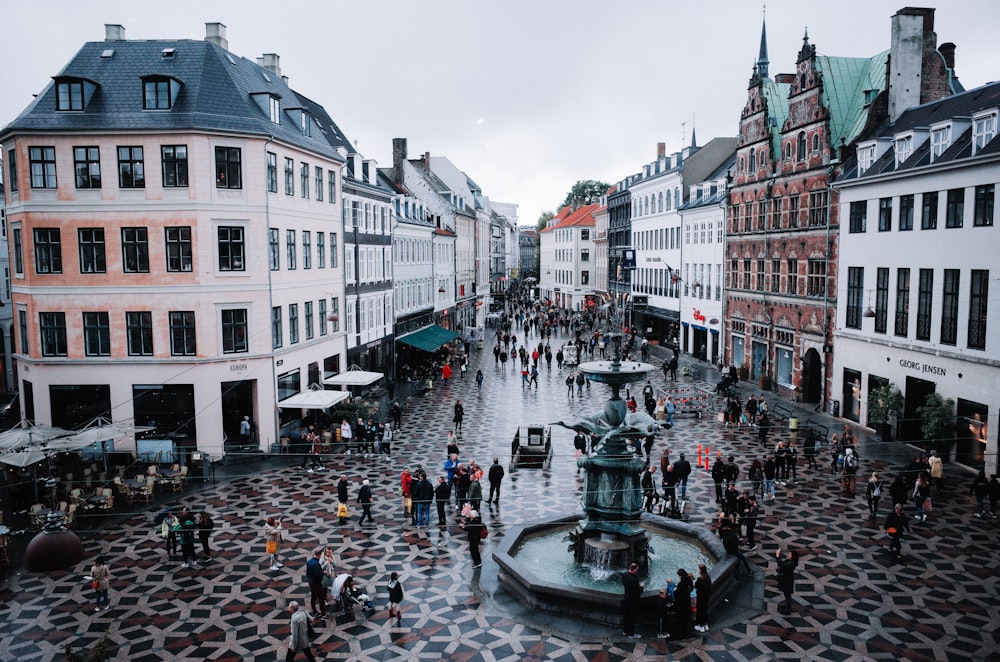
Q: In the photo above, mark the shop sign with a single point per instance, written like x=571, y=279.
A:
x=917, y=366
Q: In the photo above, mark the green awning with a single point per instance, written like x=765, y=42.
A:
x=428, y=339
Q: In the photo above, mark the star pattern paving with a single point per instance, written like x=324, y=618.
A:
x=853, y=600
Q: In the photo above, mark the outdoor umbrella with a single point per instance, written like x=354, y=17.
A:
x=101, y=429
x=25, y=435
x=23, y=457
x=354, y=376
x=314, y=397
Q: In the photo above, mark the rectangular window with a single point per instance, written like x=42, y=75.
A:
x=322, y=317
x=131, y=171
x=881, y=299
x=274, y=248
x=775, y=214
x=48, y=251
x=289, y=177
x=929, y=211
x=978, y=308
x=585, y=235
x=885, y=215
x=955, y=208
x=91, y=247
x=178, y=246
x=12, y=170
x=331, y=178
x=949, y=307
x=775, y=276
x=984, y=206
x=855, y=297
x=231, y=249
x=135, y=250
x=42, y=161
x=746, y=274
x=817, y=208
x=309, y=320
x=52, y=327
x=228, y=168
x=817, y=278
x=182, y=333
x=276, y=332
x=96, y=334
x=307, y=249
x=859, y=216
x=906, y=213
x=734, y=274
x=925, y=300
x=321, y=250
x=272, y=172
x=156, y=94
x=793, y=211
x=234, y=331
x=761, y=216
x=139, y=328
x=334, y=315
x=274, y=109
x=940, y=142
x=585, y=278
x=759, y=280
x=87, y=166
x=18, y=252
x=584, y=255
x=333, y=250
x=290, y=248
x=793, y=276
x=984, y=129
x=174, y=161
x=69, y=95
x=319, y=183
x=22, y=327
x=304, y=179
x=902, y=327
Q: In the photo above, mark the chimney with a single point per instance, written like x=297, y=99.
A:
x=785, y=79
x=398, y=157
x=270, y=62
x=910, y=27
x=947, y=51
x=114, y=32
x=427, y=161
x=661, y=150
x=215, y=33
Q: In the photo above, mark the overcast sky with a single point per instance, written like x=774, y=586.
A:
x=525, y=96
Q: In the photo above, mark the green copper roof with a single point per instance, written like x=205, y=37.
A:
x=850, y=84
x=776, y=95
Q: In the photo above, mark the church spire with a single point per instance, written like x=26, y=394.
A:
x=762, y=60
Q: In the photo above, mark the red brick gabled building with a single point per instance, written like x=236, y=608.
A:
x=782, y=223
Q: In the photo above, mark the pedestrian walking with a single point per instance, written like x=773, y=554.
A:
x=569, y=384
x=317, y=591
x=495, y=475
x=299, y=639
x=873, y=492
x=895, y=524
x=395, y=589
x=186, y=538
x=272, y=538
x=365, y=500
x=442, y=495
x=630, y=603
x=479, y=379
x=168, y=529
x=205, y=526
x=787, y=563
x=474, y=529
x=459, y=416
x=703, y=588
x=100, y=578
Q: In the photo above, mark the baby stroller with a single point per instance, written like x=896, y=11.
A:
x=347, y=594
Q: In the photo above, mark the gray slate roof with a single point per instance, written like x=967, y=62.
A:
x=215, y=94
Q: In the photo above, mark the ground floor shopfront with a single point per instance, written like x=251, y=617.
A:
x=971, y=384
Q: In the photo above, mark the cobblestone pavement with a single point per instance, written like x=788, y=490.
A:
x=853, y=600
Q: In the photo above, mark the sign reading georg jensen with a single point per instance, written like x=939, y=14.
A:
x=917, y=366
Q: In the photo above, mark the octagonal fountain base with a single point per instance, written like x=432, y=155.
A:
x=540, y=583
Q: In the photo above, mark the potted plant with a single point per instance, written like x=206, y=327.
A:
x=939, y=426
x=884, y=402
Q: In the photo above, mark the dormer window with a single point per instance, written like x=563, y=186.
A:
x=159, y=92
x=903, y=147
x=866, y=158
x=73, y=94
x=984, y=129
x=274, y=110
x=940, y=141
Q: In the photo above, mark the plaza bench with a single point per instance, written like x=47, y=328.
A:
x=781, y=412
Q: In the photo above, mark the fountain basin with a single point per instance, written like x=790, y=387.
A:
x=597, y=605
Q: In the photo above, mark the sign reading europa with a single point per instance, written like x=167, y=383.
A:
x=917, y=366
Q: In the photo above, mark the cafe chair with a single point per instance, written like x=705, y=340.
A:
x=69, y=520
x=74, y=495
x=36, y=515
x=63, y=506
x=146, y=493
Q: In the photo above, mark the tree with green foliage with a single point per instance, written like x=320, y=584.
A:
x=586, y=192
x=939, y=423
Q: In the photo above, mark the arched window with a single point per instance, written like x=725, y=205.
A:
x=815, y=142
x=742, y=164
x=762, y=158
x=802, y=82
x=802, y=146
x=661, y=201
x=677, y=197
x=788, y=150
x=645, y=205
x=753, y=162
x=668, y=200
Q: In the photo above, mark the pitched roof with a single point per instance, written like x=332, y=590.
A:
x=217, y=93
x=569, y=217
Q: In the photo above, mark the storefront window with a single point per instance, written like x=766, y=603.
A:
x=783, y=373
